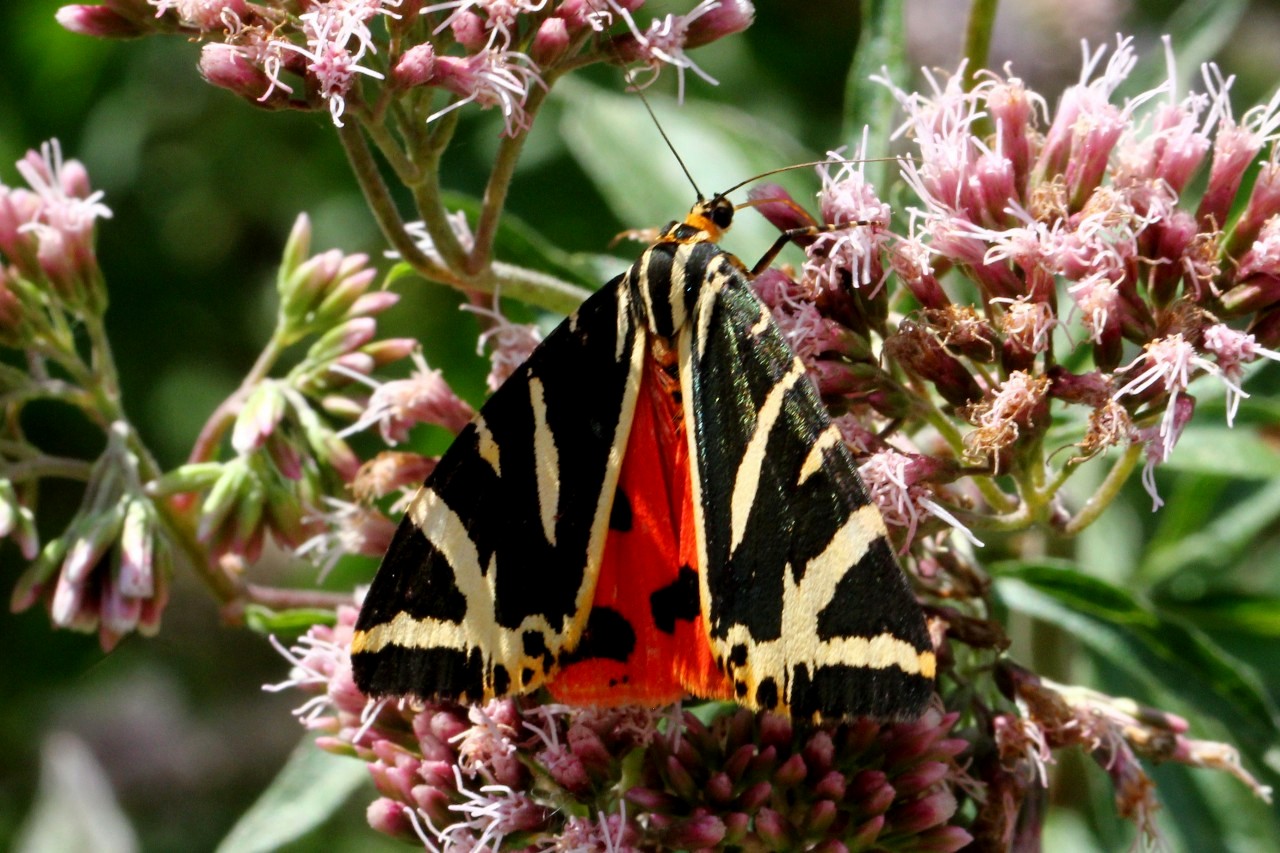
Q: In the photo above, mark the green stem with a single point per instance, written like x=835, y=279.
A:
x=977, y=38
x=495, y=191
x=1107, y=490
x=428, y=199
x=180, y=526
x=383, y=206
x=406, y=169
x=38, y=467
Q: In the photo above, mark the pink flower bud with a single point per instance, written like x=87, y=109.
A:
x=1264, y=203
x=227, y=67
x=391, y=818
x=1013, y=112
x=1233, y=150
x=415, y=67
x=468, y=30
x=258, y=418
x=99, y=21
x=783, y=212
x=550, y=43
x=725, y=19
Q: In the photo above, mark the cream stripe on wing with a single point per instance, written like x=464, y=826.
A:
x=748, y=479
x=546, y=466
x=829, y=438
x=486, y=446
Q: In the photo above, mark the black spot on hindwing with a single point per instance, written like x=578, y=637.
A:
x=608, y=635
x=620, y=516
x=676, y=600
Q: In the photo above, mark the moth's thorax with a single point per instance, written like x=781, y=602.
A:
x=665, y=283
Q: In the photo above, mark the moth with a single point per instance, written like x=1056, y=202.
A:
x=655, y=505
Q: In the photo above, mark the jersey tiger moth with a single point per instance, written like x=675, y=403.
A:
x=654, y=505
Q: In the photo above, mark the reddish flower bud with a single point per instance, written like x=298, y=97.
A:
x=1233, y=150
x=724, y=19
x=100, y=22
x=226, y=66
x=651, y=800
x=469, y=31
x=755, y=796
x=550, y=42
x=924, y=813
x=416, y=66
x=831, y=786
x=862, y=837
x=916, y=349
x=698, y=832
x=1264, y=203
x=791, y=772
x=679, y=778
x=774, y=830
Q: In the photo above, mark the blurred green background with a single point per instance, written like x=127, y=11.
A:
x=204, y=189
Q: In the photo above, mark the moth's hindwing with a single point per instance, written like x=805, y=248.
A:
x=807, y=608
x=492, y=571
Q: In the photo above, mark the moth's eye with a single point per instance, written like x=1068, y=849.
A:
x=722, y=214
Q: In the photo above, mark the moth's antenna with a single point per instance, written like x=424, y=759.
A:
x=822, y=162
x=665, y=138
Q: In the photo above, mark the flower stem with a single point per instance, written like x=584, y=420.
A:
x=383, y=206
x=977, y=38
x=495, y=191
x=1106, y=492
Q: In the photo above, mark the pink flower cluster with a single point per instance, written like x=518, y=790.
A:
x=482, y=52
x=519, y=775
x=1071, y=227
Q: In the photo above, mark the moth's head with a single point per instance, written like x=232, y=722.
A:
x=713, y=216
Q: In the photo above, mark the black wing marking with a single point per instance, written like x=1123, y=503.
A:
x=805, y=603
x=492, y=571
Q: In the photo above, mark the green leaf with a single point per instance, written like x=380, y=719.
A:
x=1245, y=614
x=881, y=50
x=1217, y=544
x=641, y=179
x=1199, y=32
x=1217, y=449
x=310, y=787
x=1143, y=643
